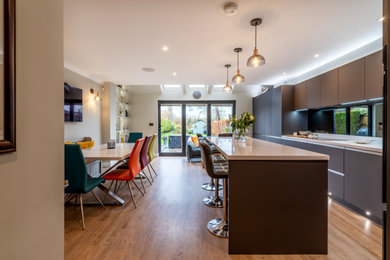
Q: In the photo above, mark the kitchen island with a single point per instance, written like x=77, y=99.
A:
x=277, y=198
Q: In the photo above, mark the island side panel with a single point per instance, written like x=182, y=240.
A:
x=278, y=207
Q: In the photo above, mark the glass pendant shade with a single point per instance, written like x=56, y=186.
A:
x=227, y=88
x=238, y=78
x=255, y=60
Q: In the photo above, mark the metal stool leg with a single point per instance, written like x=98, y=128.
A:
x=210, y=186
x=220, y=226
x=214, y=201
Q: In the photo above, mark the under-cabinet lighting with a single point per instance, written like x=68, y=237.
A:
x=375, y=99
x=368, y=213
x=354, y=102
x=330, y=193
x=300, y=110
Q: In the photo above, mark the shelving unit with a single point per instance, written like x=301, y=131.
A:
x=122, y=114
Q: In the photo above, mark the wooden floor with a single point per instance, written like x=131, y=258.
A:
x=170, y=223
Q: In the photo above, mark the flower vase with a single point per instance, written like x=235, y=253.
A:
x=240, y=135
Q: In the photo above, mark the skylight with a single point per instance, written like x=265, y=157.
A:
x=172, y=86
x=196, y=86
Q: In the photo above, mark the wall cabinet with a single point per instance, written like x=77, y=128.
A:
x=351, y=82
x=300, y=96
x=373, y=76
x=329, y=88
x=355, y=81
x=313, y=92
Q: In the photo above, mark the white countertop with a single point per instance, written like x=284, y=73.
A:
x=374, y=146
x=262, y=150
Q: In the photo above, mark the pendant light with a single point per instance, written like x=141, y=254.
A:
x=256, y=59
x=238, y=78
x=227, y=88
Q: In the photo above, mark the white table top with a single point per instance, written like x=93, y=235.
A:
x=262, y=150
x=100, y=152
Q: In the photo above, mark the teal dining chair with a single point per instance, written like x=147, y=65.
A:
x=77, y=176
x=134, y=136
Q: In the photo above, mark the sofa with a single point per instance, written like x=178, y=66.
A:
x=192, y=151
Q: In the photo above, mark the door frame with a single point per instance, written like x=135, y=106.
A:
x=184, y=103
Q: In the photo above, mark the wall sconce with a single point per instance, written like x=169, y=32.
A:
x=97, y=97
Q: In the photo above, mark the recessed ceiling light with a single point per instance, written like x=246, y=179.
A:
x=174, y=73
x=316, y=55
x=165, y=48
x=148, y=69
x=381, y=19
x=196, y=86
x=284, y=73
x=172, y=86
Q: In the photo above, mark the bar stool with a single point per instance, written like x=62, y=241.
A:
x=212, y=201
x=211, y=185
x=218, y=226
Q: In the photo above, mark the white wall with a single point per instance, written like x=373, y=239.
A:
x=143, y=107
x=31, y=196
x=91, y=125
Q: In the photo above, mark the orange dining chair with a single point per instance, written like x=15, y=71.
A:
x=129, y=174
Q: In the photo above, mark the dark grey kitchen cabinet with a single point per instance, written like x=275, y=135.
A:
x=363, y=181
x=313, y=92
x=329, y=88
x=373, y=76
x=300, y=95
x=335, y=167
x=351, y=82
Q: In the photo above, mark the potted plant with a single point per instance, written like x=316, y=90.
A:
x=241, y=125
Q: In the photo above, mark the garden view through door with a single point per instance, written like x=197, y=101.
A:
x=171, y=128
x=220, y=116
x=178, y=120
x=196, y=120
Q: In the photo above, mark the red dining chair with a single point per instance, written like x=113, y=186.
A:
x=129, y=174
x=144, y=158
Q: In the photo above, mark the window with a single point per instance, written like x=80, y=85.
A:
x=359, y=121
x=340, y=121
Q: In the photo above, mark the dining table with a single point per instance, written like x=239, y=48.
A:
x=118, y=154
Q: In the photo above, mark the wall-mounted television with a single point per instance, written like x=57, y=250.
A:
x=73, y=105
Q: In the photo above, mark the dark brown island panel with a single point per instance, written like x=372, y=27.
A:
x=277, y=197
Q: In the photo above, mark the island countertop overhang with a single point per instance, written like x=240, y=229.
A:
x=263, y=150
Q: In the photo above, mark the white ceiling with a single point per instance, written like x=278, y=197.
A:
x=113, y=40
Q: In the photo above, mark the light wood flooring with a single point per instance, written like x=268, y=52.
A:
x=170, y=223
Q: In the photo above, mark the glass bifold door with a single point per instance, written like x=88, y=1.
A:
x=178, y=120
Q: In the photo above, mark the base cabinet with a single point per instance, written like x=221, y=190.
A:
x=354, y=176
x=363, y=181
x=335, y=184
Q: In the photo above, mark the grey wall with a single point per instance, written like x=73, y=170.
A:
x=75, y=131
x=31, y=196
